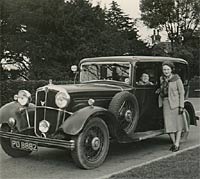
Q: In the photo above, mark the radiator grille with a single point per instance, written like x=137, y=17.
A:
x=47, y=110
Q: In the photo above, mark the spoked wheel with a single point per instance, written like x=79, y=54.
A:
x=6, y=145
x=91, y=145
x=125, y=107
x=126, y=113
x=185, y=132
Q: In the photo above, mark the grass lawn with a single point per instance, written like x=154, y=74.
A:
x=185, y=165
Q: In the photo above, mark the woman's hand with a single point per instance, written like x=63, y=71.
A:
x=181, y=110
x=157, y=91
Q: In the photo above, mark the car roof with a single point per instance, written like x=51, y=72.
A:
x=133, y=59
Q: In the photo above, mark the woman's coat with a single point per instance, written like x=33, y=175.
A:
x=175, y=93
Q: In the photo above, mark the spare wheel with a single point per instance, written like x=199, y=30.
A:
x=125, y=107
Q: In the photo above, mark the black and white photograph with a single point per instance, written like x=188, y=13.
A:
x=99, y=89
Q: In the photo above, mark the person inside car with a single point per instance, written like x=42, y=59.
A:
x=144, y=80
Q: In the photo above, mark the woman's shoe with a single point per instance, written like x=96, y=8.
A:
x=172, y=147
x=176, y=148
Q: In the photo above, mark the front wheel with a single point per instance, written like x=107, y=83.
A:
x=92, y=144
x=6, y=145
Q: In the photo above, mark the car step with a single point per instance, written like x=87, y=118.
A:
x=145, y=135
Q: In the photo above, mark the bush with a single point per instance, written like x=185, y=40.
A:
x=11, y=87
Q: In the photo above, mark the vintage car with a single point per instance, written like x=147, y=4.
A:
x=107, y=104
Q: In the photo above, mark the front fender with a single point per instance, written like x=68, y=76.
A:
x=75, y=123
x=15, y=110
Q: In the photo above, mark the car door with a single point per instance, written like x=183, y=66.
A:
x=150, y=114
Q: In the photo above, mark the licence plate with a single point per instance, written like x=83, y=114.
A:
x=23, y=145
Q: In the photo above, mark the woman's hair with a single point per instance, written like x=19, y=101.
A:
x=170, y=64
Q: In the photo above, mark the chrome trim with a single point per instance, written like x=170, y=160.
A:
x=46, y=89
x=64, y=117
x=85, y=100
x=40, y=140
x=107, y=62
x=27, y=117
x=44, y=135
x=36, y=96
x=52, y=87
x=58, y=119
x=45, y=109
x=57, y=109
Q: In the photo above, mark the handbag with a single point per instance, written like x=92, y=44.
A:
x=185, y=116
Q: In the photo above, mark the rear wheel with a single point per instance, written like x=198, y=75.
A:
x=92, y=144
x=6, y=145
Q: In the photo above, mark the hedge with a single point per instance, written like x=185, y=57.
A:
x=9, y=88
x=195, y=87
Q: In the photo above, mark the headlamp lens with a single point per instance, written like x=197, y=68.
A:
x=24, y=97
x=11, y=122
x=44, y=126
x=62, y=99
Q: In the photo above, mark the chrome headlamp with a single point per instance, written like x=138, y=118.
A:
x=44, y=126
x=11, y=122
x=23, y=97
x=62, y=99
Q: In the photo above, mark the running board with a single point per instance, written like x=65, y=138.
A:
x=145, y=135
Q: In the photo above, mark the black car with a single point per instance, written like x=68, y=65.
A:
x=108, y=103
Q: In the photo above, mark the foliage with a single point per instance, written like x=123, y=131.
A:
x=181, y=20
x=3, y=75
x=125, y=39
x=179, y=17
x=44, y=38
x=11, y=87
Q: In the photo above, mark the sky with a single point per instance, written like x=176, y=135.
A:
x=131, y=8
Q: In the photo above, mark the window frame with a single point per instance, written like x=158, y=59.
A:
x=104, y=63
x=156, y=73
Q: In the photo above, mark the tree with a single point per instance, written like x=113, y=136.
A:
x=116, y=18
x=180, y=18
x=125, y=36
x=3, y=75
x=44, y=38
x=28, y=31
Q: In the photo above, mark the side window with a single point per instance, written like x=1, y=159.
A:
x=146, y=73
x=117, y=72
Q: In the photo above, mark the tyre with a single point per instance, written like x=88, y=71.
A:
x=125, y=107
x=91, y=145
x=6, y=146
x=185, y=133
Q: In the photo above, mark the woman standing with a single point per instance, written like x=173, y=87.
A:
x=171, y=98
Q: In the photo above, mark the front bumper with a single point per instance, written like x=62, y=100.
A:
x=39, y=140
